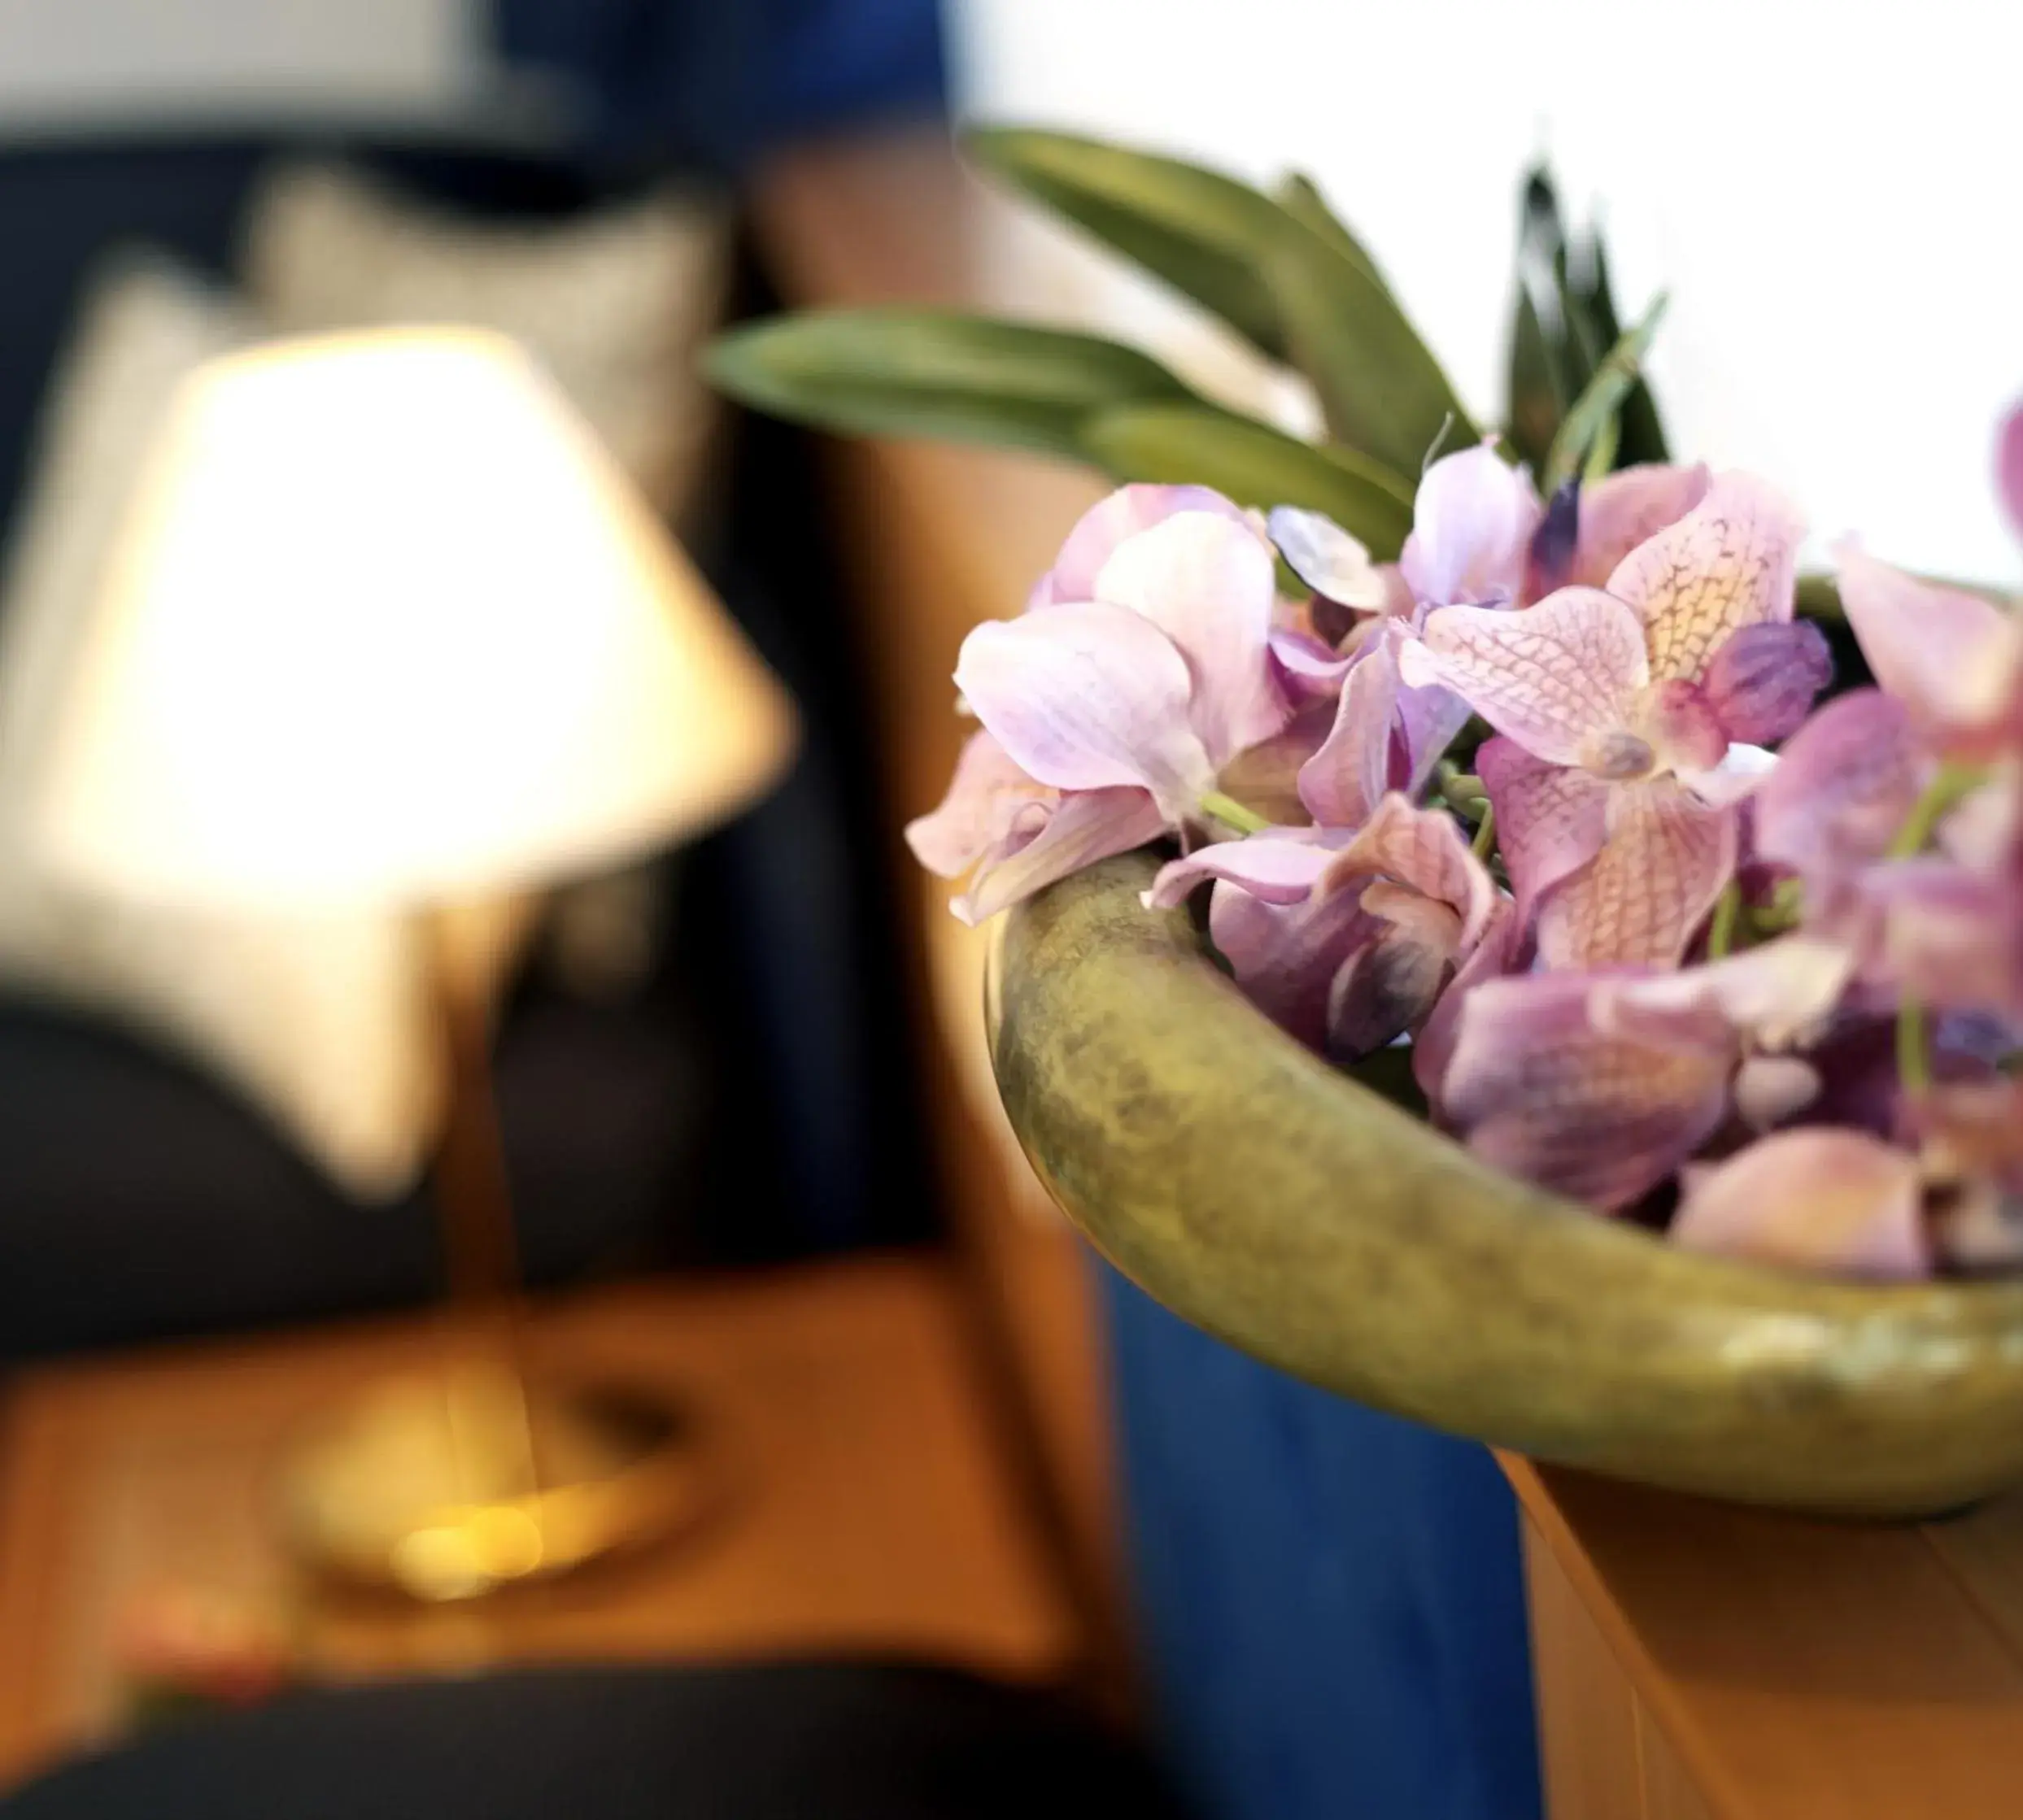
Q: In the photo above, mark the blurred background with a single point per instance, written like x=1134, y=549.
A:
x=946, y=1519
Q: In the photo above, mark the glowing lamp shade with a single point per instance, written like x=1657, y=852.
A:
x=386, y=625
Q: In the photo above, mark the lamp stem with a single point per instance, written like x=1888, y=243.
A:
x=473, y=1201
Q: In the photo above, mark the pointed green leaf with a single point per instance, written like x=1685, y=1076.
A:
x=1255, y=465
x=1643, y=430
x=1599, y=402
x=1204, y=233
x=1537, y=395
x=929, y=373
x=1301, y=198
x=1380, y=388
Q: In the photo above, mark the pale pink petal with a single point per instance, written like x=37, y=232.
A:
x=1985, y=833
x=1430, y=720
x=1106, y=524
x=1207, y=582
x=1472, y=522
x=2008, y=468
x=1730, y=561
x=1086, y=826
x=1425, y=850
x=1629, y=507
x=1763, y=680
x=1327, y=560
x=1665, y=860
x=1285, y=956
x=1743, y=771
x=1681, y=726
x=1271, y=866
x=1952, y=658
x=1557, y=678
x=1550, y=819
x=1365, y=753
x=1950, y=936
x=1843, y=785
x=1536, y=1090
x=1770, y=1089
x=1086, y=697
x=985, y=796
x=1775, y=995
x=1308, y=666
x=1817, y=1198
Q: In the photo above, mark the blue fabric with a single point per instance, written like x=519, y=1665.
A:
x=723, y=82
x=1331, y=1600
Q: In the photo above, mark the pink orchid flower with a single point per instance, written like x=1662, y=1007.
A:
x=1601, y=1085
x=1108, y=719
x=1588, y=530
x=1346, y=941
x=1631, y=720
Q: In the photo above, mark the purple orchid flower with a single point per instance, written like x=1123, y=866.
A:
x=1346, y=941
x=1623, y=713
x=1108, y=720
x=1600, y=1084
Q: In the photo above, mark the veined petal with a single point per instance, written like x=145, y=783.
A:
x=1664, y=862
x=1088, y=696
x=1086, y=826
x=1391, y=983
x=1273, y=867
x=1952, y=659
x=1423, y=849
x=1629, y=507
x=1556, y=678
x=1763, y=680
x=985, y=796
x=1500, y=951
x=1325, y=557
x=1537, y=1090
x=1205, y=581
x=1774, y=996
x=1815, y=1198
x=1107, y=523
x=1730, y=561
x=1550, y=819
x=1843, y=785
x=1473, y=521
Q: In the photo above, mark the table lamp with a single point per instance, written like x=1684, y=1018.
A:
x=386, y=626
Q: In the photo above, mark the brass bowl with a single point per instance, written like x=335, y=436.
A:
x=1263, y=1196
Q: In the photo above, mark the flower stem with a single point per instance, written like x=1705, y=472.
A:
x=1232, y=814
x=1727, y=910
x=1914, y=1050
x=1485, y=831
x=1944, y=792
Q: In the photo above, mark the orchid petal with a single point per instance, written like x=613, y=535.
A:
x=1207, y=582
x=1952, y=658
x=2008, y=468
x=1815, y=1198
x=1775, y=995
x=1327, y=560
x=1843, y=785
x=1266, y=778
x=1536, y=1090
x=1628, y=508
x=985, y=796
x=1769, y=1090
x=1342, y=783
x=1500, y=951
x=1271, y=868
x=1949, y=934
x=1311, y=666
x=1666, y=859
x=1088, y=696
x=1086, y=826
x=1556, y=678
x=1743, y=771
x=1285, y=956
x=1730, y=561
x=1473, y=521
x=1389, y=984
x=1107, y=523
x=1764, y=679
x=1550, y=819
x=1423, y=849
x=1682, y=727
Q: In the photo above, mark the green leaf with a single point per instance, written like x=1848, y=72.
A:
x=1301, y=198
x=931, y=373
x=1598, y=403
x=1537, y=394
x=1255, y=465
x=1643, y=431
x=1380, y=390
x=1206, y=234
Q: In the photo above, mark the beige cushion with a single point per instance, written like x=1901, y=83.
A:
x=615, y=305
x=323, y=1022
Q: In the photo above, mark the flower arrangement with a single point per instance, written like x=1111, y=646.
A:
x=1547, y=780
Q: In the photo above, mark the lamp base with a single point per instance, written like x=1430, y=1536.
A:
x=452, y=1484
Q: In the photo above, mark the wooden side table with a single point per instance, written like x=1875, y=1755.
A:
x=1700, y=1662
x=871, y=1513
